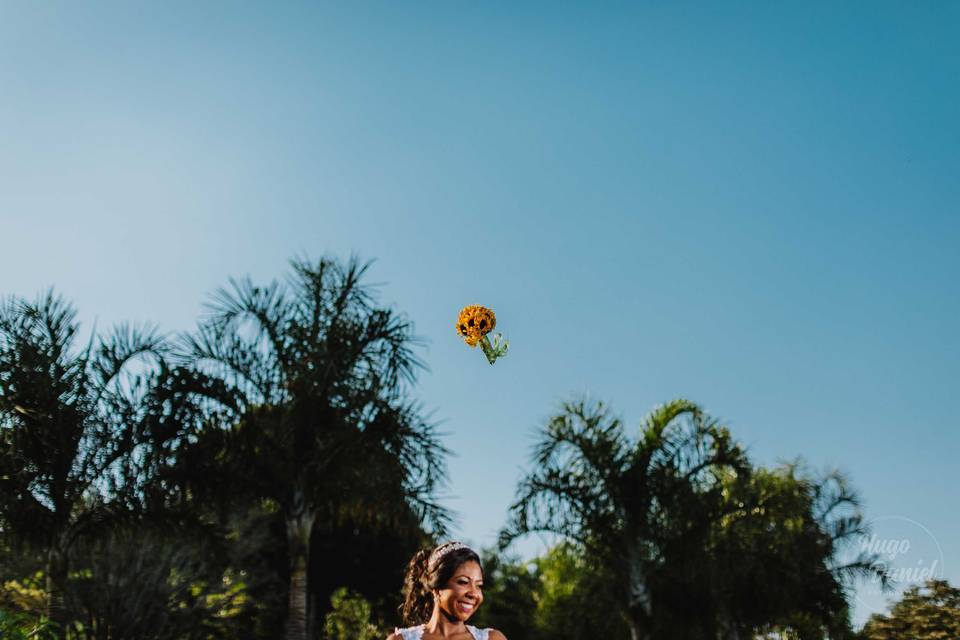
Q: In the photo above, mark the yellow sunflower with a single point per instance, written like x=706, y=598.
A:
x=473, y=325
x=475, y=322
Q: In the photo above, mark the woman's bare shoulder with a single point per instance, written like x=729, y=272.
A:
x=394, y=636
x=496, y=635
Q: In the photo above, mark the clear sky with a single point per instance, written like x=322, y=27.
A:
x=751, y=205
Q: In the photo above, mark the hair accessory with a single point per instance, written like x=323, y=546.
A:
x=443, y=550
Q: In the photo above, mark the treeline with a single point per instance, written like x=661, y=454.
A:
x=221, y=483
x=269, y=474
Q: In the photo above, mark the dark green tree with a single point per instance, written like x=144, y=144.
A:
x=558, y=596
x=776, y=559
x=20, y=626
x=367, y=560
x=71, y=420
x=930, y=612
x=785, y=553
x=511, y=592
x=306, y=386
x=697, y=543
x=576, y=599
x=350, y=617
x=154, y=580
x=629, y=503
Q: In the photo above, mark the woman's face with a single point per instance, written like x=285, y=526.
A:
x=464, y=592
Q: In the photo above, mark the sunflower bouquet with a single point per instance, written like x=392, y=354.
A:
x=473, y=325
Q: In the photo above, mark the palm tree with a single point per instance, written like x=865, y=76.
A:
x=785, y=553
x=631, y=503
x=311, y=380
x=701, y=544
x=70, y=423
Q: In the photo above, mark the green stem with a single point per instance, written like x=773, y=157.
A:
x=488, y=350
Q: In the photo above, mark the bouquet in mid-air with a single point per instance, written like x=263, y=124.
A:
x=474, y=323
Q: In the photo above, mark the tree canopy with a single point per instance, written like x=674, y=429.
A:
x=697, y=542
x=271, y=472
x=928, y=612
x=71, y=418
x=310, y=380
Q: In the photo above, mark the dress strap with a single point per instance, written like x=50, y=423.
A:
x=479, y=634
x=415, y=633
x=410, y=633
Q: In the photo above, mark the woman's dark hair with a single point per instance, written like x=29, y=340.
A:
x=422, y=578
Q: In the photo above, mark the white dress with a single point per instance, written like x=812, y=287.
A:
x=415, y=633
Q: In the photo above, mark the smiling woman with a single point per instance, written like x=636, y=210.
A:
x=444, y=588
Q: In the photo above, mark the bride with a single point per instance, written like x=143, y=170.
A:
x=443, y=587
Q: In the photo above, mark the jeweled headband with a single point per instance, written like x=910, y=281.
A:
x=443, y=550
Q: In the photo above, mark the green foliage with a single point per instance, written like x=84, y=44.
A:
x=146, y=582
x=931, y=612
x=301, y=373
x=289, y=407
x=557, y=596
x=21, y=626
x=296, y=394
x=70, y=420
x=781, y=551
x=24, y=595
x=575, y=599
x=366, y=560
x=350, y=618
x=693, y=541
x=144, y=495
x=511, y=592
x=633, y=505
x=295, y=376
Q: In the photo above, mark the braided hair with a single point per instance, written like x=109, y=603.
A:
x=424, y=576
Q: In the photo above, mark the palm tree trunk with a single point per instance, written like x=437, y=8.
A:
x=639, y=629
x=56, y=584
x=298, y=546
x=297, y=607
x=640, y=606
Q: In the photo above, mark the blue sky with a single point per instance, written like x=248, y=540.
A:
x=752, y=206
